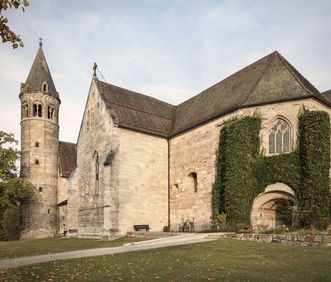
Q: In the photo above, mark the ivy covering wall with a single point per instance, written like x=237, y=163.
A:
x=314, y=152
x=242, y=171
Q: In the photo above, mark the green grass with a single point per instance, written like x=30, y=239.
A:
x=222, y=260
x=12, y=249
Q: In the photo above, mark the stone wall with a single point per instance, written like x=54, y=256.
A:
x=97, y=213
x=62, y=190
x=195, y=151
x=284, y=239
x=143, y=180
x=39, y=147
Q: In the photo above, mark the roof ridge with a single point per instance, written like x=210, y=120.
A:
x=262, y=74
x=231, y=75
x=149, y=97
x=290, y=68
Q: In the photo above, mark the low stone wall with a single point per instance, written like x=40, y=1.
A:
x=288, y=239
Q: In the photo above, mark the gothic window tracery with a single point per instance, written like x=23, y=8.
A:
x=279, y=137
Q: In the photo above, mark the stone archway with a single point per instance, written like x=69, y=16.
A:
x=272, y=208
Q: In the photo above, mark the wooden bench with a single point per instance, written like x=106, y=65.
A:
x=141, y=227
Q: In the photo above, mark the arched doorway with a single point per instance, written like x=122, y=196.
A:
x=273, y=208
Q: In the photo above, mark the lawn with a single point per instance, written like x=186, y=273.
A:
x=221, y=260
x=12, y=249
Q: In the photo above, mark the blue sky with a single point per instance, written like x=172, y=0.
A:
x=171, y=50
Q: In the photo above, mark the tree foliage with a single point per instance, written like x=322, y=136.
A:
x=7, y=35
x=12, y=188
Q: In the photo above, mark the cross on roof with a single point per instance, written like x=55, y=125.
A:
x=40, y=41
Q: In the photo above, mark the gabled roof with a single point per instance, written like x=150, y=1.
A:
x=67, y=158
x=137, y=111
x=327, y=95
x=269, y=80
x=40, y=73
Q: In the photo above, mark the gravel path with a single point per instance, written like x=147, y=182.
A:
x=137, y=246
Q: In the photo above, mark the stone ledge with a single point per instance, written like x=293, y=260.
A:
x=283, y=239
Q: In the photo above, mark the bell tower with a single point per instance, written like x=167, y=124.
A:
x=39, y=149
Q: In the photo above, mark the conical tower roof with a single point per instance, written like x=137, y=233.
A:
x=38, y=75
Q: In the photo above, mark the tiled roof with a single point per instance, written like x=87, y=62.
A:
x=137, y=111
x=40, y=73
x=67, y=158
x=268, y=80
x=327, y=95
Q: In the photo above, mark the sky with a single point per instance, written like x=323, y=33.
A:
x=167, y=49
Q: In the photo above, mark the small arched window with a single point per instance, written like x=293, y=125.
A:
x=25, y=111
x=50, y=112
x=95, y=173
x=36, y=161
x=194, y=181
x=44, y=87
x=279, y=137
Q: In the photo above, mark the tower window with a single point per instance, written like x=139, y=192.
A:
x=45, y=87
x=50, y=112
x=25, y=111
x=36, y=161
x=36, y=144
x=48, y=211
x=37, y=110
x=40, y=189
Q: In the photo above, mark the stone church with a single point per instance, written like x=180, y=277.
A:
x=139, y=160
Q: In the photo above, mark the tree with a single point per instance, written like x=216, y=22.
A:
x=7, y=35
x=12, y=188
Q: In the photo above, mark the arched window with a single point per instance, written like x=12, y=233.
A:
x=193, y=179
x=279, y=137
x=50, y=112
x=44, y=87
x=95, y=173
x=37, y=110
x=25, y=111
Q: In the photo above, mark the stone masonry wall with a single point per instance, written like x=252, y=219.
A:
x=97, y=212
x=39, y=146
x=143, y=181
x=195, y=151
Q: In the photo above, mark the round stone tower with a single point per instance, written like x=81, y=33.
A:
x=39, y=149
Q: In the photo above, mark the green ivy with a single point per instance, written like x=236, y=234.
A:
x=235, y=184
x=242, y=172
x=314, y=151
